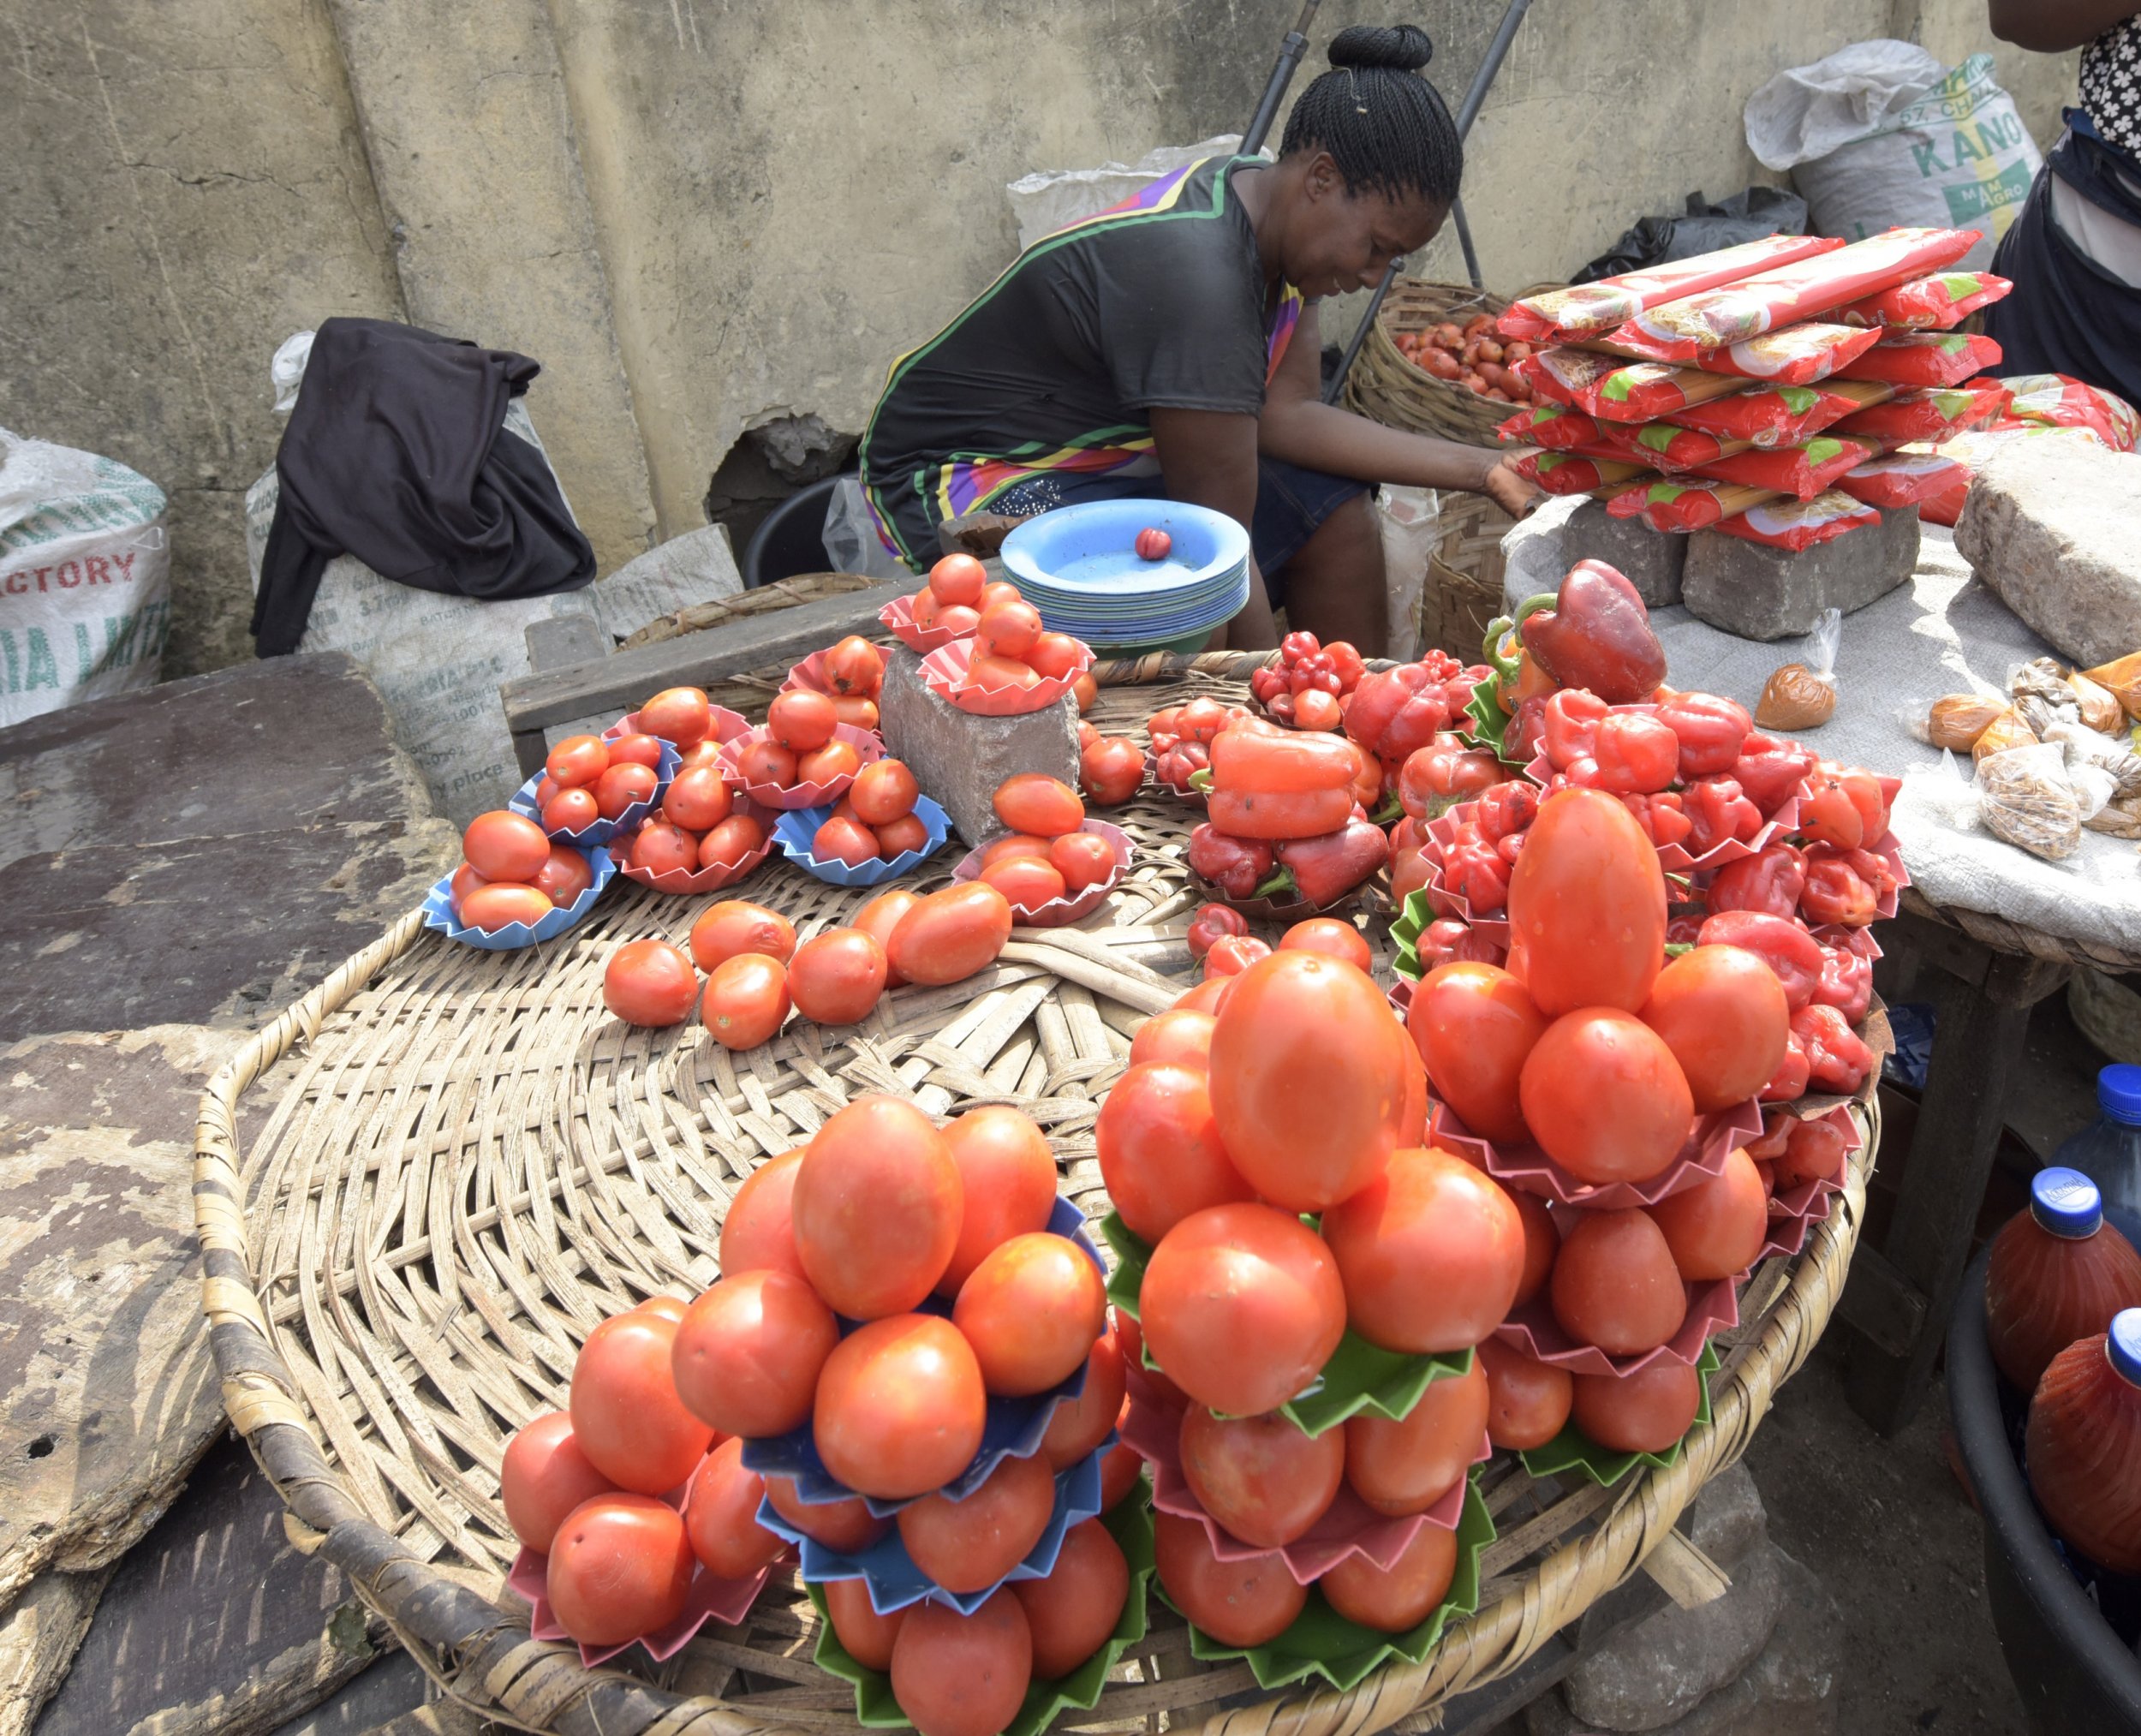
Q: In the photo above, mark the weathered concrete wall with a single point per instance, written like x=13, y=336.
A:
x=701, y=215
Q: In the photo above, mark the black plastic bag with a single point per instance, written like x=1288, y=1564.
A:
x=1703, y=228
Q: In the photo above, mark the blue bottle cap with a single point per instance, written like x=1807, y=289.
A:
x=2119, y=1094
x=2123, y=1345
x=2065, y=1203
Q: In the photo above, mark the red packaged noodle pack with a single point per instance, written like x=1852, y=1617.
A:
x=1669, y=445
x=1801, y=471
x=1680, y=331
x=1796, y=355
x=1800, y=524
x=1561, y=313
x=1928, y=304
x=1688, y=504
x=1555, y=427
x=1571, y=473
x=1784, y=415
x=2060, y=401
x=1925, y=358
x=1620, y=391
x=1927, y=415
x=1904, y=479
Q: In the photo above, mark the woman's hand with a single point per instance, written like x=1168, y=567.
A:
x=1507, y=487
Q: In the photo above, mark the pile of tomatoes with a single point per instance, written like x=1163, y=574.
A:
x=1182, y=736
x=852, y=674
x=1012, y=649
x=875, y=820
x=589, y=777
x=1111, y=768
x=799, y=748
x=1308, y=687
x=1046, y=854
x=1470, y=355
x=510, y=872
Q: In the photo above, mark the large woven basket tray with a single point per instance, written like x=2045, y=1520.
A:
x=470, y=1164
x=1385, y=387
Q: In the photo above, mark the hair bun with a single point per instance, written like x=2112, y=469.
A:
x=1406, y=47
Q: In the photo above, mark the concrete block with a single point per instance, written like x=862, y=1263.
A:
x=1762, y=593
x=1539, y=551
x=960, y=759
x=1728, y=1519
x=2054, y=527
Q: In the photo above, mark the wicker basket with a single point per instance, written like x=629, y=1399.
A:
x=1388, y=389
x=1465, y=575
x=467, y=1164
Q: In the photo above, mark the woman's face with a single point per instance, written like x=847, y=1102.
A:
x=1338, y=240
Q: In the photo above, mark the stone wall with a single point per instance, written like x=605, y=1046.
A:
x=700, y=215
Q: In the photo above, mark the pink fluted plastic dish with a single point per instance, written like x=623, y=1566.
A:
x=705, y=879
x=899, y=616
x=1059, y=911
x=1527, y=1167
x=869, y=747
x=944, y=672
x=1712, y=1308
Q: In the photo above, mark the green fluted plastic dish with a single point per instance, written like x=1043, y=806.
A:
x=1571, y=1450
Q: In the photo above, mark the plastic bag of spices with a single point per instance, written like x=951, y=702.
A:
x=1690, y=504
x=1937, y=303
x=1555, y=427
x=2007, y=730
x=1935, y=416
x=1782, y=416
x=1801, y=471
x=1785, y=524
x=2121, y=678
x=1955, y=720
x=1802, y=695
x=2024, y=797
x=1925, y=358
x=1599, y=307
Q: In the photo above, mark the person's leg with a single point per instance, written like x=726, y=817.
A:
x=1334, y=584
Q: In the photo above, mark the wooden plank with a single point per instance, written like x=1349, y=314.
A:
x=1880, y=1303
x=556, y=695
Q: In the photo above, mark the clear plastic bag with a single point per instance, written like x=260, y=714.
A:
x=1802, y=695
x=2025, y=798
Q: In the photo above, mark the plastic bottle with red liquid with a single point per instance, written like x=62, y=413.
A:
x=2083, y=1453
x=2058, y=1273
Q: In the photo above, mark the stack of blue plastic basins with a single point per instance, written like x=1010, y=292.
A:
x=1079, y=565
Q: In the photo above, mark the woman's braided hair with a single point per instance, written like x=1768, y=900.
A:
x=1384, y=125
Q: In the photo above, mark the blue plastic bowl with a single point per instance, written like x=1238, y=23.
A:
x=796, y=828
x=438, y=912
x=599, y=832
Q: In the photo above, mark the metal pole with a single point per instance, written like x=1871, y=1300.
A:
x=1504, y=33
x=1290, y=50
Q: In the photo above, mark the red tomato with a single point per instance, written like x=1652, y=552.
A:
x=1474, y=1026
x=876, y=1206
x=1084, y=859
x=1239, y=1603
x=1176, y=1037
x=1231, y=954
x=758, y=1233
x=736, y=839
x=958, y=579
x=502, y=903
x=884, y=791
x=879, y=917
x=1332, y=938
x=801, y=720
x=1243, y=1306
x=668, y=1308
x=1430, y=1252
x=1211, y=924
x=999, y=591
x=1646, y=1412
x=706, y=753
x=1307, y=1079
x=1587, y=906
x=747, y=1356
x=994, y=673
x=621, y=1566
x=1408, y=1465
x=544, y=1476
x=746, y=1000
x=1082, y=1423
x=1262, y=1477
x=639, y=747
x=649, y=982
x=502, y=845
x=949, y=935
x=844, y=840
x=623, y=786
x=866, y=1636
x=1015, y=843
x=1398, y=1599
x=762, y=762
x=1033, y=802
x=955, y=618
x=721, y=1516
x=660, y=848
x=1208, y=996
x=1543, y=1241
x=1813, y=1151
x=1615, y=1286
x=1161, y=1157
x=577, y=761
x=466, y=879
x=732, y=926
x=895, y=838
x=1121, y=1471
x=836, y=977
x=679, y=714
x=626, y=1415
x=1031, y=1310
x=1721, y=1011
x=900, y=1406
x=697, y=800
x=1412, y=1121
x=856, y=713
x=564, y=876
x=1716, y=1227
x=1086, y=691
x=963, y=1675
x=1074, y=1612
x=571, y=810
x=828, y=764
x=1007, y=1185
x=1315, y=709
x=1527, y=1400
x=925, y=606
x=969, y=1545
x=1054, y=655
x=855, y=666
x=1604, y=1097
x=1027, y=882
x=1110, y=770
x=843, y=1525
x=1008, y=629
x=545, y=787
x=1131, y=1336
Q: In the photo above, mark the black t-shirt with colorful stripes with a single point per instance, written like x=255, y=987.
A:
x=1159, y=303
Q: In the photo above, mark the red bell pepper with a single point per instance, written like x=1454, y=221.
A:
x=1770, y=881
x=1595, y=633
x=1163, y=729
x=1347, y=662
x=1237, y=866
x=1710, y=730
x=1815, y=1150
x=1212, y=922
x=1396, y=711
x=1267, y=682
x=1636, y=754
x=1718, y=812
x=1776, y=1134
x=1844, y=886
x=1505, y=810
x=1847, y=981
x=1790, y=1080
x=1447, y=771
x=1179, y=763
x=1769, y=771
x=1842, y=806
x=1475, y=870
x=1274, y=785
x=1326, y=868
x=1685, y=931
x=1836, y=1060
x=1661, y=817
x=1780, y=943
x=1525, y=736
x=1570, y=728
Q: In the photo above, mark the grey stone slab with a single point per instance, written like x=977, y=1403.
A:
x=1728, y=1519
x=1539, y=551
x=1801, y=1664
x=2054, y=527
x=960, y=759
x=1758, y=591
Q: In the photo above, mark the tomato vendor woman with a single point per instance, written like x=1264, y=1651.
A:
x=1170, y=347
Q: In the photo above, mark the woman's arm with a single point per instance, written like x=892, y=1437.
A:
x=1209, y=458
x=2052, y=26
x=1297, y=427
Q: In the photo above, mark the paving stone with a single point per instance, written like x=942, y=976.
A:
x=1805, y=1658
x=1762, y=593
x=2054, y=527
x=1539, y=551
x=959, y=759
x=1727, y=1518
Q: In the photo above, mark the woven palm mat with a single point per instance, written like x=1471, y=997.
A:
x=476, y=1164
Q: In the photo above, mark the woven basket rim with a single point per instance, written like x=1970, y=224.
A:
x=483, y=1657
